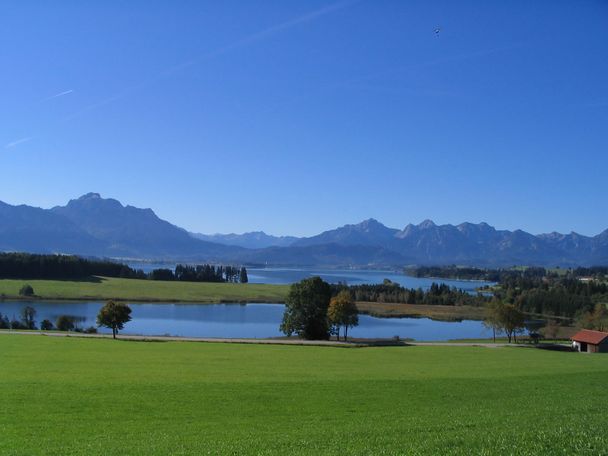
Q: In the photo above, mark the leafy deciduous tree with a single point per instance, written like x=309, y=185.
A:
x=114, y=316
x=596, y=319
x=492, y=319
x=511, y=319
x=342, y=311
x=306, y=309
x=46, y=325
x=26, y=290
x=65, y=323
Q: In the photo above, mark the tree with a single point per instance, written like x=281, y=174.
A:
x=244, y=278
x=65, y=323
x=342, y=311
x=46, y=325
x=511, y=319
x=596, y=319
x=492, y=318
x=162, y=274
x=28, y=315
x=600, y=317
x=114, y=316
x=306, y=309
x=551, y=330
x=26, y=290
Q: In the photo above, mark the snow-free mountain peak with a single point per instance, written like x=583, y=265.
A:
x=93, y=225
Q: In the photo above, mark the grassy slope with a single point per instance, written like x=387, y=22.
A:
x=159, y=291
x=147, y=290
x=84, y=396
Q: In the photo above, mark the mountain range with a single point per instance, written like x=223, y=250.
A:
x=252, y=240
x=96, y=226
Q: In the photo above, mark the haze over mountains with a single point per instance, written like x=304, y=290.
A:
x=252, y=240
x=95, y=226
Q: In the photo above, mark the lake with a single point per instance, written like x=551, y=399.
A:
x=350, y=276
x=238, y=320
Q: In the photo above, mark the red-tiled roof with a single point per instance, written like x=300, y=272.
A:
x=590, y=337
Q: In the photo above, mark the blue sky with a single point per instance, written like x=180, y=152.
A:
x=299, y=116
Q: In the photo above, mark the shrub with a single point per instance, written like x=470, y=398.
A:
x=16, y=324
x=46, y=325
x=26, y=290
x=90, y=330
x=65, y=323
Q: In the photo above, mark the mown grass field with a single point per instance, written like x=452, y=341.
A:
x=68, y=396
x=103, y=288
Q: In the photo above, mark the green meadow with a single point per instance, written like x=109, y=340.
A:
x=133, y=290
x=103, y=288
x=77, y=396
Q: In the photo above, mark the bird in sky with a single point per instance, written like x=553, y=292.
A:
x=437, y=31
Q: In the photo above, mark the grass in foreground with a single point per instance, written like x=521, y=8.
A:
x=103, y=288
x=88, y=396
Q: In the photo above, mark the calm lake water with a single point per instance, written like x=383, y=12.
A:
x=350, y=276
x=238, y=320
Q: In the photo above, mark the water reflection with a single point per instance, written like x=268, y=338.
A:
x=237, y=320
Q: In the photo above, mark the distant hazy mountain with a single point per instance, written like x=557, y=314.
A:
x=469, y=244
x=252, y=240
x=92, y=225
x=31, y=229
x=369, y=233
x=328, y=255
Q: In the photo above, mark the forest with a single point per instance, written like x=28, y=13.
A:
x=566, y=296
x=532, y=291
x=61, y=267
x=391, y=292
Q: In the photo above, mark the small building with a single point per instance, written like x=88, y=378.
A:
x=590, y=341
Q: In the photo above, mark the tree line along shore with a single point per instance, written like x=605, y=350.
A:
x=561, y=298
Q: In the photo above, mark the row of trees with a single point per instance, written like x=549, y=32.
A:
x=33, y=266
x=390, y=292
x=501, y=274
x=312, y=313
x=509, y=319
x=472, y=273
x=202, y=273
x=112, y=315
x=27, y=320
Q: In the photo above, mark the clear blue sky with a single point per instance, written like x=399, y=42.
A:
x=298, y=116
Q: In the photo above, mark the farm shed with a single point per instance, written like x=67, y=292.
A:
x=590, y=341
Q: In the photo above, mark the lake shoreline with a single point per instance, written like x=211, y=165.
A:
x=142, y=300
x=373, y=309
x=354, y=343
